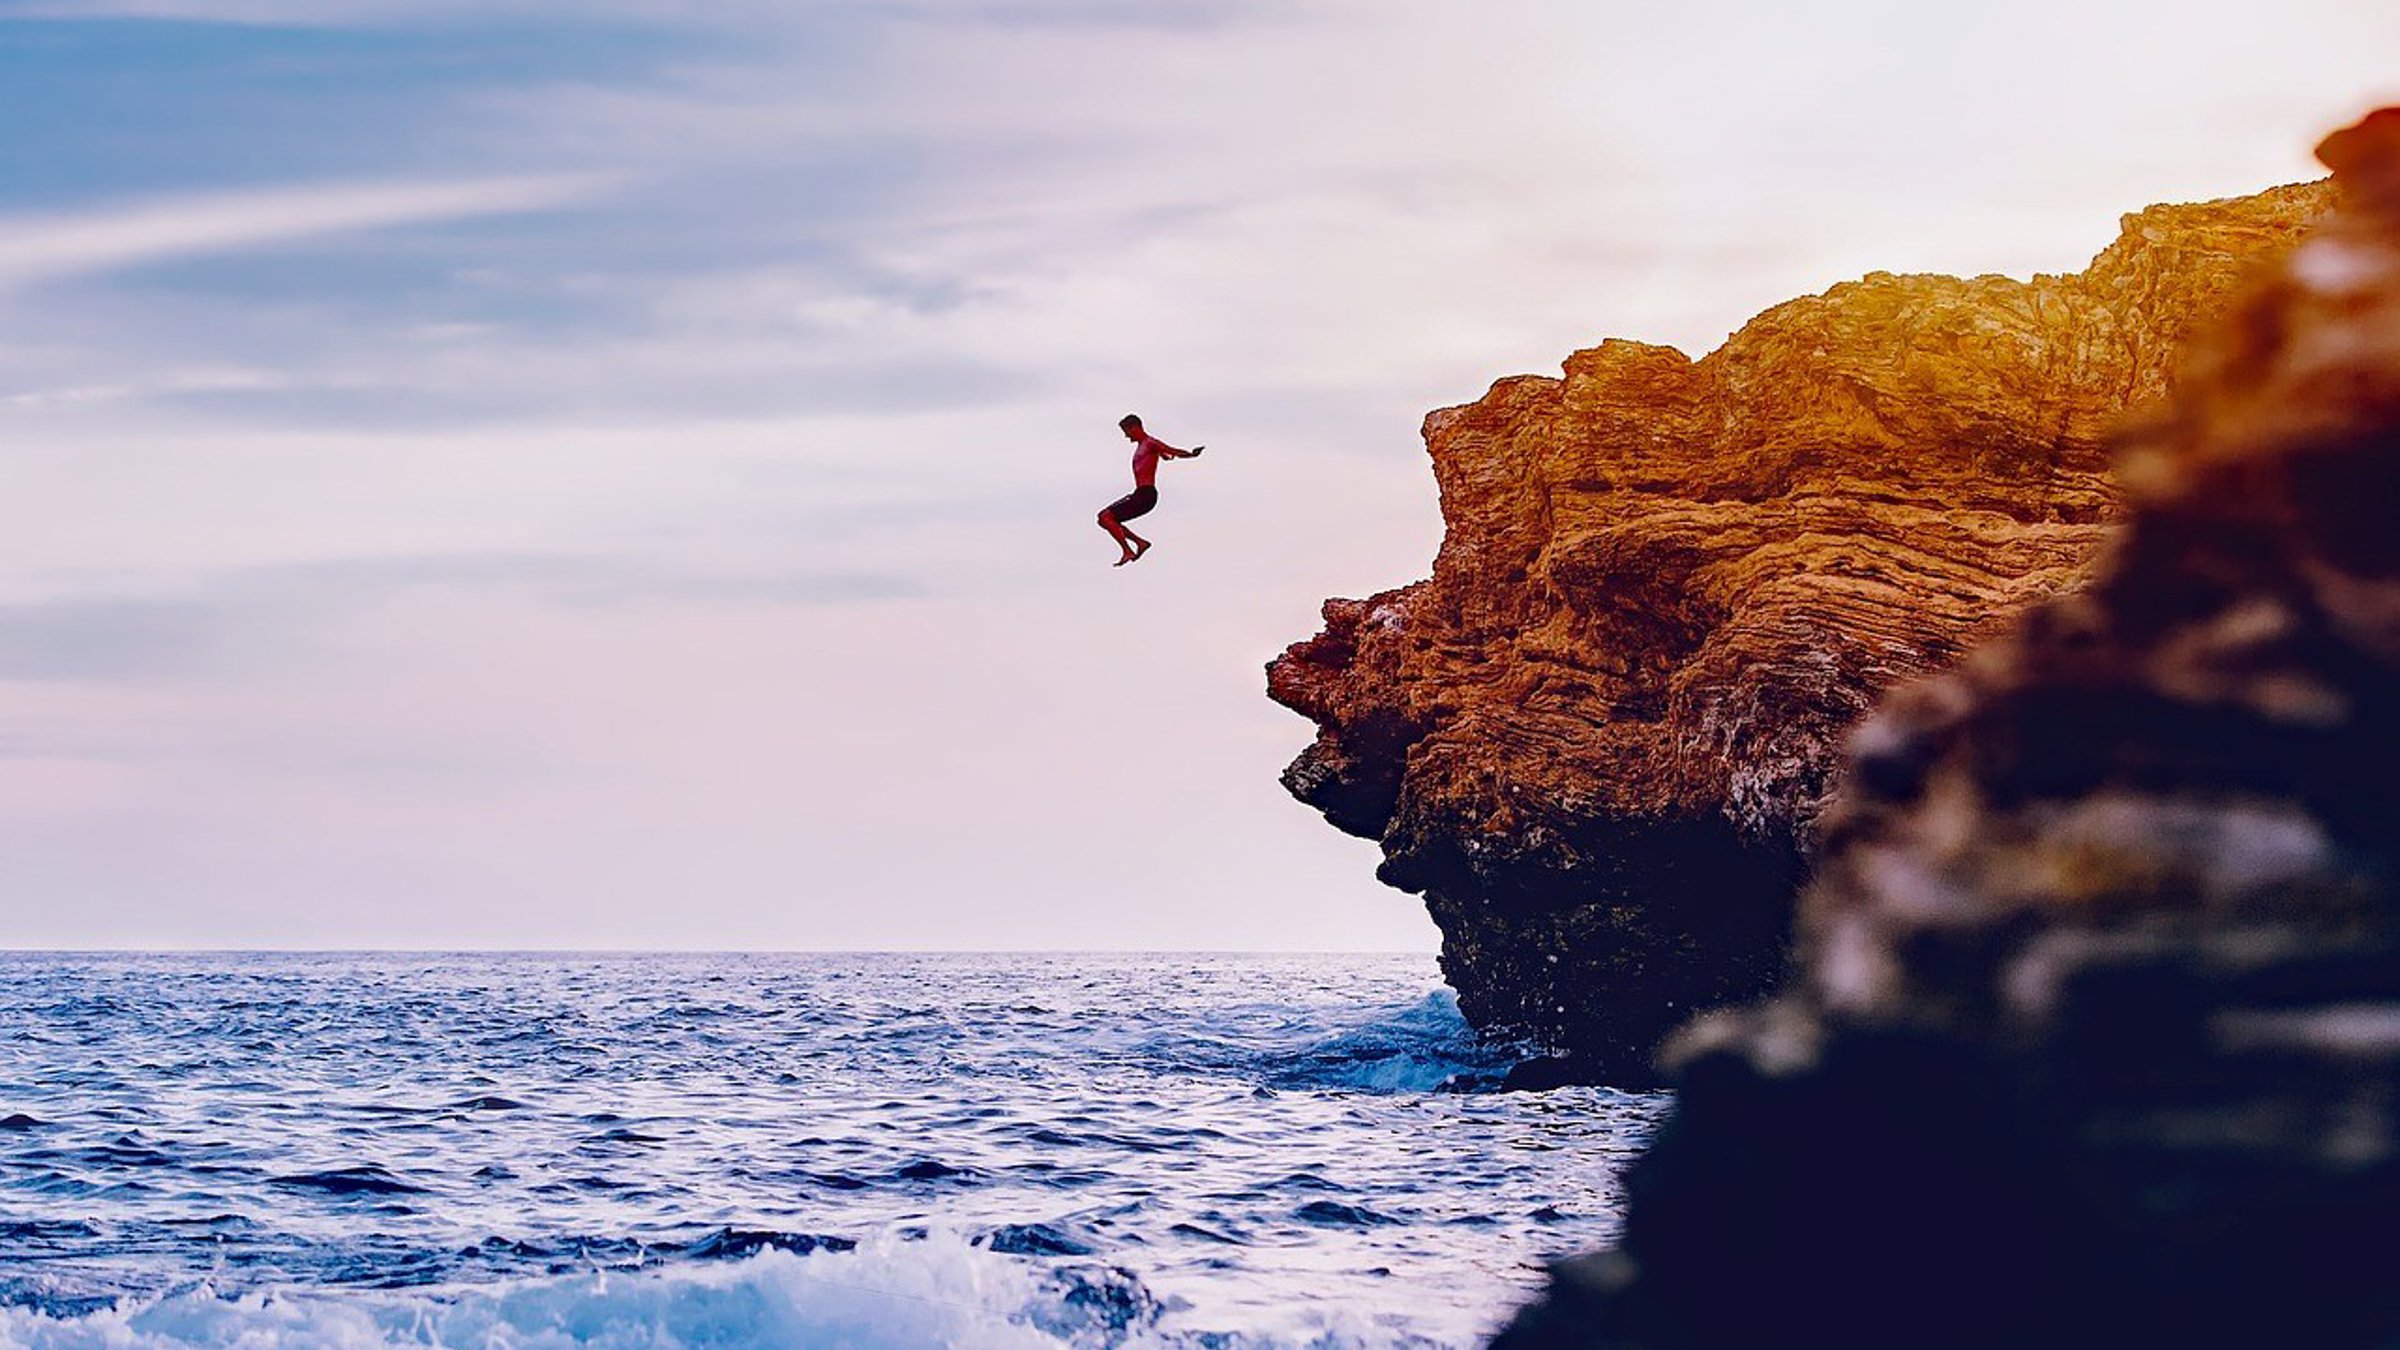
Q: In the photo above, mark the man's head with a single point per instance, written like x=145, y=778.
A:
x=1131, y=426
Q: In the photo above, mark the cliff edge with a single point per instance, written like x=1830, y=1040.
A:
x=1600, y=737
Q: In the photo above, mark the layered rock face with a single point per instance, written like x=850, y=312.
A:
x=1599, y=738
x=2094, y=1038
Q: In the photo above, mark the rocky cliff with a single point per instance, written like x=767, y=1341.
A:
x=2094, y=1038
x=1600, y=737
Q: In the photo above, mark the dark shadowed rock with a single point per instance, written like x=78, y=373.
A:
x=2094, y=1035
x=1599, y=738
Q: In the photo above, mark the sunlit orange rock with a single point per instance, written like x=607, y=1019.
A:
x=1599, y=738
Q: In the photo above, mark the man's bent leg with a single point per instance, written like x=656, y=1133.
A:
x=1123, y=536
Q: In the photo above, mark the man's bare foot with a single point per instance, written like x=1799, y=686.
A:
x=1140, y=547
x=1124, y=560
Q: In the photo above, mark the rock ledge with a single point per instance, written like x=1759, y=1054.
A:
x=1600, y=737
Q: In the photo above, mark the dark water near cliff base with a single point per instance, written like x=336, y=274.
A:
x=664, y=1151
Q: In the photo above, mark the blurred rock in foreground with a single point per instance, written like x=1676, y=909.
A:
x=2094, y=1038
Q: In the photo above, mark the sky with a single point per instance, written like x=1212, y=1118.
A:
x=620, y=474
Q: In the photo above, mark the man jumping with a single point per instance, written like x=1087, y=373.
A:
x=1148, y=450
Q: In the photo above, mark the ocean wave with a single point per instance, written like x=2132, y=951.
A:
x=890, y=1295
x=1425, y=1047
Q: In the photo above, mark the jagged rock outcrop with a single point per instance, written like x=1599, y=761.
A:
x=2094, y=1038
x=1599, y=738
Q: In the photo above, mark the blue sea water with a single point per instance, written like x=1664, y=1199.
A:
x=533, y=1151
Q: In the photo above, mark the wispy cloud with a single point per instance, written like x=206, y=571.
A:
x=321, y=13
x=261, y=611
x=53, y=247
x=103, y=639
x=560, y=579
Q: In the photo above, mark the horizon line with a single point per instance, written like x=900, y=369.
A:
x=6, y=952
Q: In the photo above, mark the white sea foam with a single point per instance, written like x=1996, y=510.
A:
x=941, y=1292
x=935, y=1293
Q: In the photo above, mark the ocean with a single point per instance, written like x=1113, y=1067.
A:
x=528, y=1151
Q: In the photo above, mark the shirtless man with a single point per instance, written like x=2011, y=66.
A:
x=1148, y=450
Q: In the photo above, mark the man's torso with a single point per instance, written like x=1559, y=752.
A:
x=1145, y=461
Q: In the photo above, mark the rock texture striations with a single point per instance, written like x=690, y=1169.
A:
x=1600, y=737
x=2094, y=1038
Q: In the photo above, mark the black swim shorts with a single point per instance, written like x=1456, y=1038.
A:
x=1135, y=503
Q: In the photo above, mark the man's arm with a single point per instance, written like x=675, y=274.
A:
x=1172, y=453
